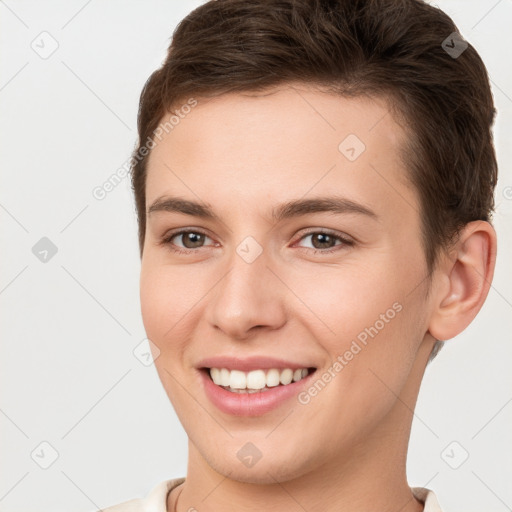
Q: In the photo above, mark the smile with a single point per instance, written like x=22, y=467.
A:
x=254, y=381
x=251, y=395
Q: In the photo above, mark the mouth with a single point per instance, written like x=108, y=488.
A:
x=254, y=385
x=255, y=381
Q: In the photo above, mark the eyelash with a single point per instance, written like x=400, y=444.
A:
x=345, y=241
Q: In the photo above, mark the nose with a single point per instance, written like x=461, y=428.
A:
x=248, y=298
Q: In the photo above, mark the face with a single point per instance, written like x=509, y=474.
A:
x=341, y=291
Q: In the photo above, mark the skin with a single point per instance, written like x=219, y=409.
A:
x=243, y=154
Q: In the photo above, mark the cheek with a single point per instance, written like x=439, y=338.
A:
x=339, y=303
x=171, y=298
x=368, y=317
x=160, y=301
x=165, y=298
x=164, y=308
x=150, y=300
x=371, y=361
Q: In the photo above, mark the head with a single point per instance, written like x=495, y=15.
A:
x=262, y=103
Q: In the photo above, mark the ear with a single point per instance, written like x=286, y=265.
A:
x=466, y=277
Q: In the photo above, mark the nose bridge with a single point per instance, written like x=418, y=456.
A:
x=248, y=295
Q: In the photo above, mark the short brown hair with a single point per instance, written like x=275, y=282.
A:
x=387, y=48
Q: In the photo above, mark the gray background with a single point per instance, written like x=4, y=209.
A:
x=69, y=376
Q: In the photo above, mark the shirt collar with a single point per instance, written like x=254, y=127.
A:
x=156, y=500
x=428, y=498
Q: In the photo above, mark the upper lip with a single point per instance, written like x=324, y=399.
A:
x=250, y=363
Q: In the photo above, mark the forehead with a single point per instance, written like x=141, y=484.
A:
x=249, y=148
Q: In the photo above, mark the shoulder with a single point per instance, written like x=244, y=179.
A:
x=154, y=501
x=428, y=498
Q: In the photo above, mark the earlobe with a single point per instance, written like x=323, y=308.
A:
x=467, y=278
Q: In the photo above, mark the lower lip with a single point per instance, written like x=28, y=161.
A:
x=250, y=404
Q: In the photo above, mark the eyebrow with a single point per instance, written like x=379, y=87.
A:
x=289, y=209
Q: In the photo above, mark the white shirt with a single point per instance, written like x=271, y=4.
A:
x=156, y=499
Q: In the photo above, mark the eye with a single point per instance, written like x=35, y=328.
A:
x=325, y=241
x=191, y=240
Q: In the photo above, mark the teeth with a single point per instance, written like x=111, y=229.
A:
x=273, y=378
x=286, y=376
x=224, y=377
x=237, y=380
x=215, y=375
x=297, y=374
x=255, y=380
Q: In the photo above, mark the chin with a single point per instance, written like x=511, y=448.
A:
x=265, y=471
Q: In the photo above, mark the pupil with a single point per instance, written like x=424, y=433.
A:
x=193, y=238
x=327, y=238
